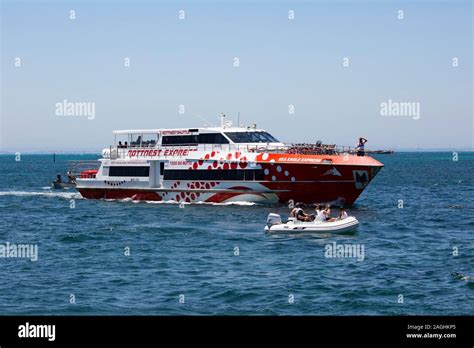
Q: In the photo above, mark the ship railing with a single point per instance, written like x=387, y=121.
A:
x=244, y=148
x=321, y=149
x=297, y=148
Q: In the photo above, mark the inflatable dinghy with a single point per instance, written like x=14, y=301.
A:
x=275, y=225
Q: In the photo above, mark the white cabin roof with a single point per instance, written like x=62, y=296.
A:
x=201, y=129
x=137, y=131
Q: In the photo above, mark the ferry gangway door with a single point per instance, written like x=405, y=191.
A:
x=157, y=169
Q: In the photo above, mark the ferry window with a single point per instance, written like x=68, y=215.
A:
x=264, y=137
x=239, y=137
x=180, y=140
x=184, y=174
x=259, y=175
x=136, y=140
x=249, y=175
x=212, y=138
x=149, y=140
x=258, y=138
x=251, y=137
x=129, y=171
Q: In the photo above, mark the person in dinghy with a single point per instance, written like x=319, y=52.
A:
x=319, y=213
x=342, y=214
x=300, y=215
x=324, y=215
x=327, y=214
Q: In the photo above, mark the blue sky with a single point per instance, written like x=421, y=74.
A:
x=282, y=62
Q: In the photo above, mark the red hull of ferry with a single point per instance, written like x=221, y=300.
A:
x=317, y=192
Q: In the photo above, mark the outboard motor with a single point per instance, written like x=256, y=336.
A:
x=273, y=219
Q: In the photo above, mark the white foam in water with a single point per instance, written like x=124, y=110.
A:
x=205, y=203
x=65, y=195
x=76, y=195
x=117, y=200
x=163, y=202
x=240, y=203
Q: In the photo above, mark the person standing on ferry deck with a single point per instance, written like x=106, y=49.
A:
x=360, y=146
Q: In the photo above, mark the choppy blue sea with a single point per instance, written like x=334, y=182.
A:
x=216, y=259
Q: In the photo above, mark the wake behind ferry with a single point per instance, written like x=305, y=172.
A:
x=223, y=164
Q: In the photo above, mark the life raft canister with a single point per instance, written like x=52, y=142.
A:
x=89, y=174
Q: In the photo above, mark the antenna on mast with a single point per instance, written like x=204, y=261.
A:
x=224, y=122
x=238, y=118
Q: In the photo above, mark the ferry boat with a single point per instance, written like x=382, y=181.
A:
x=224, y=164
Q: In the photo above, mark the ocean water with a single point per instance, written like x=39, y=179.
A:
x=216, y=259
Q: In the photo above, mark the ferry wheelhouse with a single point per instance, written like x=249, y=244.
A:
x=224, y=164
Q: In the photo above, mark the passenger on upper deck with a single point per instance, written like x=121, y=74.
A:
x=360, y=146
